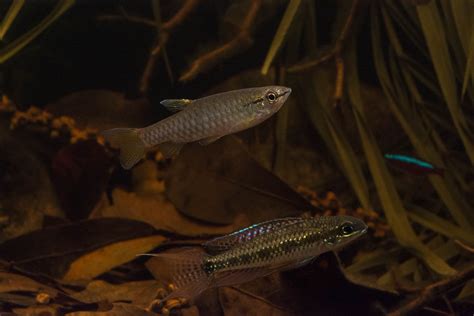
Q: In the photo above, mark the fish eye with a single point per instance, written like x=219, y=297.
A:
x=347, y=229
x=271, y=96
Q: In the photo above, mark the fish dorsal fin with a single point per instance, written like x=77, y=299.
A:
x=176, y=105
x=220, y=244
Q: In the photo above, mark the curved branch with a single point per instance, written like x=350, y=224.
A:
x=241, y=42
x=433, y=291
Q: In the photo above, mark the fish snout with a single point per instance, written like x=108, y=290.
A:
x=283, y=94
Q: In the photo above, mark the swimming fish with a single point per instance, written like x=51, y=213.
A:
x=413, y=165
x=204, y=120
x=256, y=251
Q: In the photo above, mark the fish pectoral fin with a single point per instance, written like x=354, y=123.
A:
x=176, y=105
x=170, y=149
x=207, y=141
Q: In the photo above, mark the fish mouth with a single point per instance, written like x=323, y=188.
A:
x=285, y=92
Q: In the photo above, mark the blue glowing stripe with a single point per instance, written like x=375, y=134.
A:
x=409, y=160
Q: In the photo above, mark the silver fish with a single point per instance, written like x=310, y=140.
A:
x=257, y=251
x=204, y=120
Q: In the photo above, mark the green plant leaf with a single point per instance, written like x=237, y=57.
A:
x=393, y=208
x=435, y=36
x=439, y=225
x=469, y=66
x=12, y=12
x=14, y=47
x=467, y=292
x=404, y=110
x=463, y=13
x=281, y=34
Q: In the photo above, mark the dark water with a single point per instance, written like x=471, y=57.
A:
x=390, y=79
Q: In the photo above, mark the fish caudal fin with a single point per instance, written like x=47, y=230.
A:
x=132, y=148
x=185, y=270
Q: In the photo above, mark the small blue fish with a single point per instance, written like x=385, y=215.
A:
x=413, y=165
x=256, y=251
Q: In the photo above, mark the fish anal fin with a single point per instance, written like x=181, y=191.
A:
x=209, y=140
x=170, y=149
x=176, y=105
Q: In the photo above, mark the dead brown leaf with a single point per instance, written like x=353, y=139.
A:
x=119, y=309
x=11, y=282
x=106, y=258
x=237, y=302
x=26, y=192
x=52, y=250
x=139, y=293
x=158, y=212
x=216, y=190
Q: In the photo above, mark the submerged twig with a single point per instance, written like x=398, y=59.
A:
x=128, y=18
x=336, y=54
x=464, y=246
x=241, y=42
x=163, y=35
x=433, y=291
x=336, y=51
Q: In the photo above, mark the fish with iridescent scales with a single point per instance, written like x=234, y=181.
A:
x=413, y=165
x=256, y=251
x=203, y=120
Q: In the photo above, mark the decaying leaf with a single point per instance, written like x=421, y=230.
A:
x=106, y=258
x=38, y=310
x=119, y=309
x=26, y=193
x=11, y=282
x=216, y=190
x=52, y=250
x=235, y=302
x=139, y=293
x=148, y=204
x=80, y=173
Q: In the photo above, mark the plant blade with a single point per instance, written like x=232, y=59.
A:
x=281, y=34
x=17, y=45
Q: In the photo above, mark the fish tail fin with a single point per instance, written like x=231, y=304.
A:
x=185, y=270
x=132, y=148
